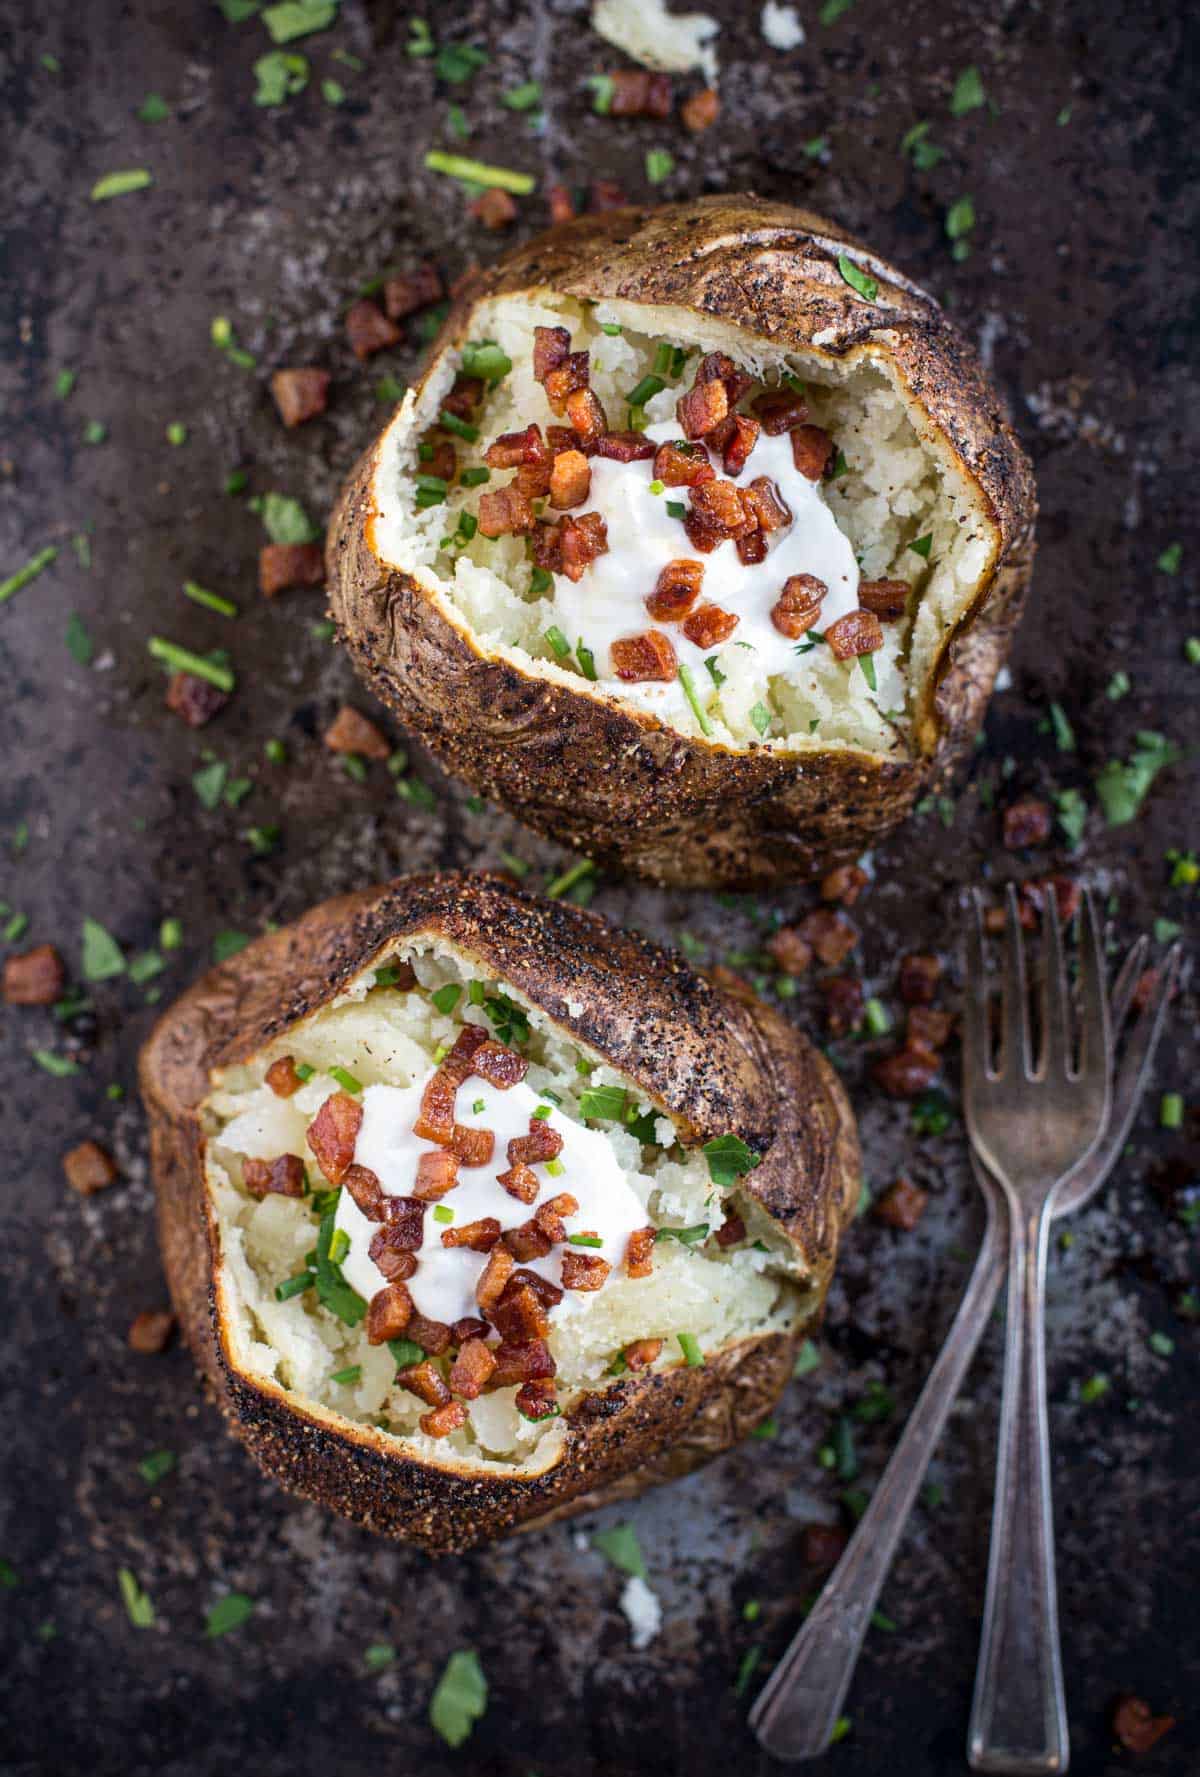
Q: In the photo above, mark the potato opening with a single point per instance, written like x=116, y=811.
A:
x=621, y=1156
x=891, y=506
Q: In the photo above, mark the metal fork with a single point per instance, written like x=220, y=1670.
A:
x=795, y=1713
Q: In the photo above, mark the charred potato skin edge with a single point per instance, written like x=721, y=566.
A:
x=612, y=781
x=764, y=1081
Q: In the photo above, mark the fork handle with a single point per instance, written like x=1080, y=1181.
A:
x=798, y=1706
x=1018, y=1715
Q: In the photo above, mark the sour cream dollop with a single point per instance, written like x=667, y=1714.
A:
x=443, y=1286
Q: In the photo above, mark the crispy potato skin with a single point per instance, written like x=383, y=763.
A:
x=614, y=782
x=714, y=1062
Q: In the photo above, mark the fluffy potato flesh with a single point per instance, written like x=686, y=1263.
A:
x=896, y=496
x=713, y=1296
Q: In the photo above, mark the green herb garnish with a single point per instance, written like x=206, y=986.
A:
x=213, y=601
x=858, y=280
x=460, y=1697
x=968, y=92
x=1122, y=788
x=279, y=76
x=102, y=957
x=345, y=1079
x=476, y=172
x=587, y=661
x=35, y=566
x=729, y=1159
x=120, y=183
x=660, y=164
x=621, y=1546
x=690, y=1347
x=137, y=1603
x=689, y=691
x=605, y=1103
x=229, y=1612
x=685, y=1236
x=183, y=660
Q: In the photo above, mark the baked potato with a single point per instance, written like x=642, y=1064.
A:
x=442, y=1113
x=698, y=546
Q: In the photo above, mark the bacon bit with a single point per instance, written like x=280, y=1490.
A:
x=478, y=1237
x=437, y=1173
x=888, y=599
x=469, y=1327
x=918, y=978
x=779, y=410
x=388, y=1313
x=499, y=1065
x=929, y=1028
x=533, y=480
x=570, y=479
x=519, y=1315
x=282, y=566
x=494, y=208
x=625, y=447
x=459, y=1064
x=709, y=626
x=194, y=699
x=531, y=1362
x=536, y=1400
x=351, y=732
x=908, y=1072
x=406, y=975
x=548, y=1219
x=858, y=632
x=751, y=548
x=333, y=1133
x=798, y=605
x=763, y=502
x=831, y=936
x=718, y=508
x=1026, y=823
x=1066, y=891
x=638, y=1250
x=1147, y=986
x=547, y=546
x=732, y=1229
x=542, y=1143
x=789, y=951
x=844, y=1003
x=520, y=1182
x=704, y=406
x=1136, y=1728
x=743, y=436
x=472, y=1147
x=441, y=1421
x=369, y=329
x=526, y=1242
x=282, y=1077
x=37, y=978
x=396, y=1262
x=283, y=1177
x=489, y=1286
x=570, y=374
x=822, y=1545
x=586, y=415
x=641, y=1353
x=562, y=204
x=812, y=449
x=580, y=541
x=676, y=591
x=701, y=111
x=505, y=512
x=150, y=1331
x=433, y=1336
x=464, y=396
x=513, y=448
x=471, y=1369
x=902, y=1205
x=560, y=438
x=299, y=394
x=719, y=367
x=444, y=461
x=583, y=1271
x=89, y=1168
x=425, y=1381
x=679, y=464
x=605, y=194
x=637, y=93
x=648, y=656
x=845, y=884
x=435, y=1119
x=404, y=1229
x=412, y=290
x=551, y=346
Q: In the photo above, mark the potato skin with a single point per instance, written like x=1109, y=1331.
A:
x=715, y=1063
x=614, y=782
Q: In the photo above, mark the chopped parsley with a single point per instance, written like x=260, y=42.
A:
x=156, y=1465
x=102, y=957
x=605, y=1103
x=1123, y=787
x=1171, y=559
x=279, y=76
x=447, y=997
x=79, y=642
x=660, y=164
x=858, y=280
x=602, y=92
x=922, y=545
x=621, y=1546
x=968, y=94
x=526, y=97
x=729, y=1159
x=229, y=1612
x=459, y=1698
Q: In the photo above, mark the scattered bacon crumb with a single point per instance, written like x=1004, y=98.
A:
x=404, y=1229
x=282, y=1077
x=583, y=1271
x=562, y=204
x=1135, y=1727
x=568, y=375
x=471, y=1368
x=716, y=506
x=751, y=547
x=703, y=407
x=845, y=1002
x=719, y=367
x=1028, y=822
x=283, y=1177
x=533, y=479
x=700, y=112
x=433, y=1336
x=520, y=1315
x=444, y=460
x=789, y=951
x=478, y=1237
x=732, y=1229
x=641, y=1353
x=333, y=1133
x=812, y=448
x=1066, y=891
x=299, y=394
x=902, y=1205
x=570, y=479
x=1147, y=986
x=352, y=732
x=425, y=1381
x=763, y=502
x=708, y=626
x=580, y=541
x=495, y=208
x=888, y=599
x=469, y=1327
x=150, y=1331
x=441, y=1421
x=548, y=1217
x=532, y=1362
x=526, y=1242
x=369, y=329
x=409, y=291
x=675, y=591
x=605, y=194
x=639, y=93
x=551, y=346
x=831, y=936
x=388, y=1313
x=778, y=410
x=499, y=1065
x=858, y=632
x=37, y=978
x=490, y=1284
x=625, y=447
x=437, y=1173
x=586, y=415
x=549, y=1294
x=680, y=464
x=396, y=1262
x=459, y=1064
x=282, y=566
x=435, y=1119
x=505, y=512
x=648, y=656
x=513, y=448
x=928, y=1028
x=798, y=605
x=194, y=699
x=845, y=883
x=88, y=1168
x=918, y=978
x=743, y=436
x=822, y=1545
x=520, y=1182
x=907, y=1072
x=472, y=1147
x=542, y=1143
x=536, y=1400
x=464, y=396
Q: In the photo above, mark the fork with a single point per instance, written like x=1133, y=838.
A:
x=795, y=1713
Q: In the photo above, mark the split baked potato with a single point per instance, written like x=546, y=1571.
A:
x=636, y=1184
x=736, y=683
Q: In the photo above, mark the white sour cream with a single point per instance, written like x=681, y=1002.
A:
x=443, y=1287
x=609, y=600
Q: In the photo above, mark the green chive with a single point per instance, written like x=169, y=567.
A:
x=432, y=484
x=35, y=566
x=587, y=661
x=479, y=1106
x=540, y=583
x=153, y=1467
x=867, y=662
x=676, y=508
x=476, y=992
x=345, y=1079
x=475, y=477
x=339, y=1246
x=645, y=391
x=923, y=545
x=584, y=1240
x=612, y=328
x=118, y=184
x=858, y=280
x=558, y=641
x=451, y=423
x=1094, y=1389
x=231, y=1611
x=213, y=601
x=406, y=1351
x=659, y=165
x=484, y=358
x=137, y=1603
x=304, y=1071
x=442, y=1213
x=183, y=660
x=348, y=1377
x=1170, y=1111
x=602, y=86
x=476, y=172
x=294, y=1286
x=555, y=1168
x=690, y=1347
x=447, y=997
x=876, y=1017
x=276, y=752
x=658, y=487
x=523, y=98
x=689, y=691
x=560, y=885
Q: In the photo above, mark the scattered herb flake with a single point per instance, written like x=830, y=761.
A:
x=808, y=1359
x=621, y=1546
x=101, y=955
x=833, y=10
x=1064, y=734
x=476, y=172
x=923, y=545
x=1171, y=559
x=64, y=382
x=1119, y=686
x=229, y=1612
x=526, y=97
x=693, y=1357
x=459, y=1698
x=968, y=94
x=237, y=11
x=285, y=520
x=660, y=164
x=79, y=642
x=1170, y=1111
x=1094, y=1388
x=156, y=1465
x=858, y=280
x=380, y=1654
x=137, y=1603
x=279, y=76
x=602, y=86
x=120, y=183
x=36, y=565
x=227, y=944
x=153, y=109
x=729, y=1159
x=333, y=92
x=753, y=1655
x=1123, y=787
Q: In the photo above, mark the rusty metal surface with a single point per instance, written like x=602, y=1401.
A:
x=1080, y=286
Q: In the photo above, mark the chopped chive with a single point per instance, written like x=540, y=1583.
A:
x=137, y=1603
x=602, y=86
x=543, y=1111
x=540, y=583
x=442, y=1213
x=876, y=1017
x=637, y=418
x=584, y=1240
x=689, y=691
x=347, y=1377
x=587, y=661
x=685, y=1236
x=183, y=660
x=153, y=1467
x=483, y=357
x=345, y=1079
x=525, y=97
x=677, y=509
x=339, y=1246
x=560, y=885
x=406, y=1351
x=294, y=1286
x=432, y=484
x=468, y=524
x=477, y=172
x=858, y=280
x=690, y=1347
x=1094, y=1389
x=35, y=566
x=645, y=391
x=304, y=1071
x=475, y=477
x=476, y=992
x=427, y=497
x=170, y=934
x=658, y=487
x=1170, y=1111
x=479, y=1106
x=447, y=997
x=451, y=423
x=558, y=641
x=923, y=545
x=867, y=662
x=612, y=328
x=176, y=433
x=660, y=164
x=555, y=1168
x=213, y=601
x=120, y=183
x=518, y=866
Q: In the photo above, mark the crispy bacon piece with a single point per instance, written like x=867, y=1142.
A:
x=763, y=502
x=536, y=1400
x=425, y=1381
x=778, y=410
x=717, y=506
x=533, y=479
x=822, y=1545
x=433, y=1336
x=902, y=1205
x=648, y=656
x=789, y=951
x=547, y=1293
x=464, y=397
x=478, y=1237
x=929, y=1028
x=443, y=461
x=37, y=978
x=513, y=448
x=548, y=1216
x=469, y=1327
x=150, y=1331
x=751, y=548
x=583, y=1271
x=459, y=1064
x=472, y=1147
x=559, y=438
x=435, y=1119
x=333, y=1133
x=570, y=479
x=1028, y=822
x=282, y=1077
x=586, y=414
x=489, y=1286
x=858, y=632
x=542, y=1143
x=680, y=464
x=396, y=1262
x=625, y=447
x=709, y=626
x=918, y=978
x=641, y=1353
x=812, y=448
x=638, y=93
x=499, y=1065
x=742, y=438
x=352, y=732
x=638, y=1250
x=441, y=1421
x=844, y=884
x=562, y=204
x=704, y=406
x=547, y=546
x=1136, y=1728
x=831, y=936
x=505, y=512
x=526, y=1242
x=845, y=1002
x=551, y=346
x=437, y=1173
x=495, y=208
x=675, y=591
x=732, y=1229
x=531, y=1362
x=369, y=330
x=1066, y=891
x=888, y=599
x=283, y=1177
x=409, y=291
x=580, y=541
x=404, y=1228
x=388, y=1313
x=89, y=1168
x=907, y=1072
x=284, y=565
x=701, y=111
x=471, y=1369
x=299, y=394
x=520, y=1182
x=605, y=194
x=719, y=367
x=569, y=374
x=520, y=1316
x=194, y=699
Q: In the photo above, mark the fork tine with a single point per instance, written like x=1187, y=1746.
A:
x=1093, y=1002
x=976, y=1034
x=1015, y=1014
x=1127, y=980
x=1056, y=1006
